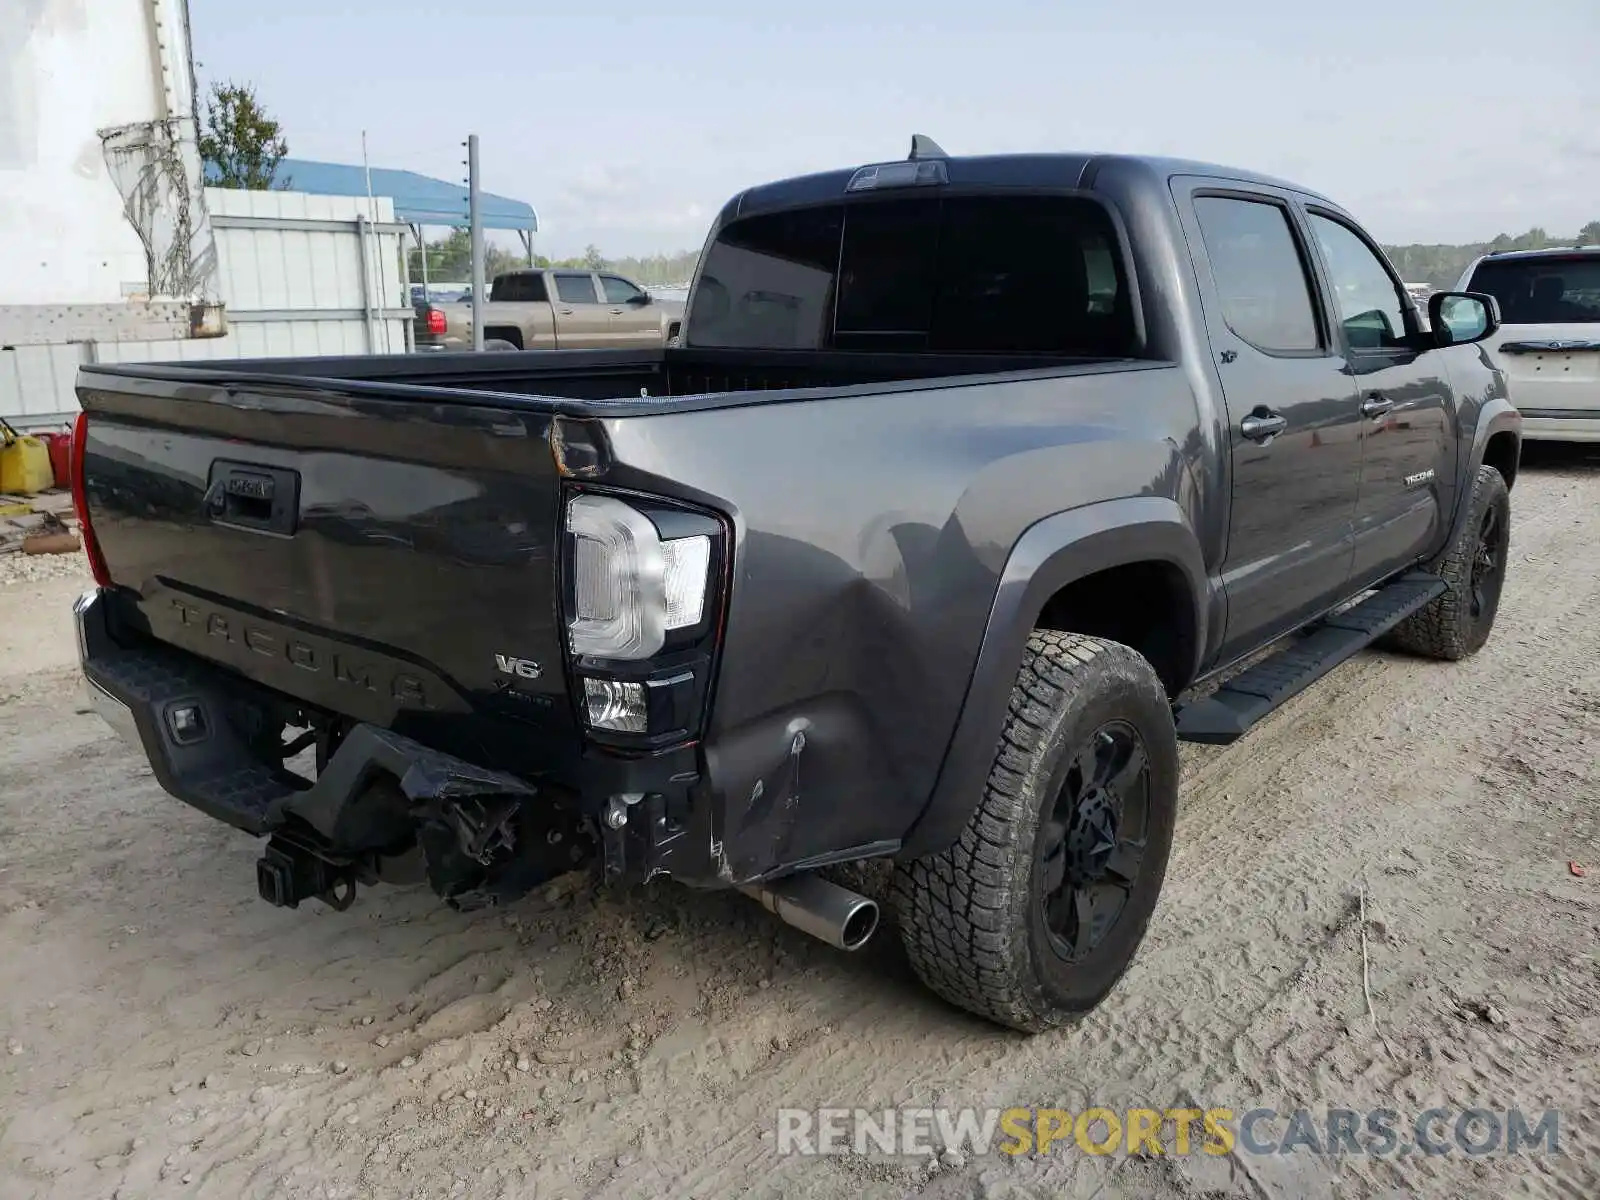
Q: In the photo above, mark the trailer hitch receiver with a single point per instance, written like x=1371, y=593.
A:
x=290, y=872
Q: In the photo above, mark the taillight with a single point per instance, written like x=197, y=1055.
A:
x=80, y=502
x=630, y=586
x=643, y=595
x=436, y=322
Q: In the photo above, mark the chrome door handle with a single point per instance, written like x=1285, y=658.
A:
x=566, y=312
x=1376, y=405
x=1263, y=425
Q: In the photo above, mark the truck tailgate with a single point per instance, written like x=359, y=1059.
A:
x=371, y=556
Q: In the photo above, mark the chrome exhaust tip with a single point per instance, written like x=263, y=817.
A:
x=844, y=919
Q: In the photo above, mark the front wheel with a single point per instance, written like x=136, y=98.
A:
x=1473, y=566
x=1035, y=912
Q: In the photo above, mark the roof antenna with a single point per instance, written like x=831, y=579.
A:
x=923, y=146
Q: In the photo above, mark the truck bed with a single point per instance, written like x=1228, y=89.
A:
x=593, y=382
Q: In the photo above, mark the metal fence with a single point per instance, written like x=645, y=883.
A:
x=300, y=275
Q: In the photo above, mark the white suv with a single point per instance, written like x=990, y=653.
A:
x=1549, y=342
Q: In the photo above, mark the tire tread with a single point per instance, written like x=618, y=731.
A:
x=1443, y=629
x=956, y=907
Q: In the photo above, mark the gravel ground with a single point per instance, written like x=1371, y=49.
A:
x=169, y=1035
x=36, y=568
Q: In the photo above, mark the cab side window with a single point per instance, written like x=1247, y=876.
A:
x=618, y=290
x=1370, y=305
x=575, y=288
x=520, y=288
x=1259, y=273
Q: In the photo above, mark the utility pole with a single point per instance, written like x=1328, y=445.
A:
x=475, y=226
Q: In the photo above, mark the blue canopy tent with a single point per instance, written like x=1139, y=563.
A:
x=418, y=199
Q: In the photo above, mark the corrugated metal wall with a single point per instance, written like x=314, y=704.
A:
x=36, y=384
x=298, y=276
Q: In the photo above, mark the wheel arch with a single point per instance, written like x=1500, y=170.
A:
x=1065, y=571
x=1497, y=443
x=1503, y=452
x=505, y=333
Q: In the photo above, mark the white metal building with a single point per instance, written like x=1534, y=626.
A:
x=113, y=249
x=103, y=231
x=298, y=274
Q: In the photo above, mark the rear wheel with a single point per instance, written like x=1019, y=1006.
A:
x=1032, y=916
x=1473, y=567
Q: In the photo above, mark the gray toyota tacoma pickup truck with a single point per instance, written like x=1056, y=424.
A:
x=970, y=479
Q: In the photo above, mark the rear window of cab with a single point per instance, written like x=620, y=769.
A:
x=964, y=274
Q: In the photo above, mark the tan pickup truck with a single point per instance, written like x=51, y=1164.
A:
x=555, y=309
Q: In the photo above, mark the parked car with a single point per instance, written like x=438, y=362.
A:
x=554, y=310
x=970, y=478
x=1549, y=346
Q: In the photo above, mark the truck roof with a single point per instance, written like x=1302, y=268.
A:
x=1564, y=251
x=1054, y=170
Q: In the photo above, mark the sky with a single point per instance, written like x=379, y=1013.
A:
x=627, y=127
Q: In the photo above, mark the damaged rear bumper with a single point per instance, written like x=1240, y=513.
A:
x=185, y=716
x=482, y=835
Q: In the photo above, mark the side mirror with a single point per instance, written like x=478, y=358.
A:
x=641, y=299
x=1459, y=318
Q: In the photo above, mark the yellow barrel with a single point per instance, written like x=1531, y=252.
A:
x=24, y=463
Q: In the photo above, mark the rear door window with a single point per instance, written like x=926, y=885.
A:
x=519, y=288
x=976, y=274
x=1548, y=290
x=1260, y=273
x=575, y=288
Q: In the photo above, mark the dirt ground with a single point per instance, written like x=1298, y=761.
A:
x=167, y=1034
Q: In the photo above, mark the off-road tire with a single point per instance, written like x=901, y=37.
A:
x=1447, y=627
x=972, y=917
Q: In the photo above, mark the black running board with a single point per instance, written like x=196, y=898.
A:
x=1228, y=713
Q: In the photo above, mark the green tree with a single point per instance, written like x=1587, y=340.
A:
x=450, y=258
x=1441, y=265
x=240, y=143
x=656, y=269
x=497, y=262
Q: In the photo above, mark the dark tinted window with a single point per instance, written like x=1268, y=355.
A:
x=1040, y=274
x=522, y=288
x=575, y=288
x=1369, y=299
x=1259, y=273
x=888, y=274
x=984, y=274
x=618, y=290
x=1542, y=291
x=768, y=282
